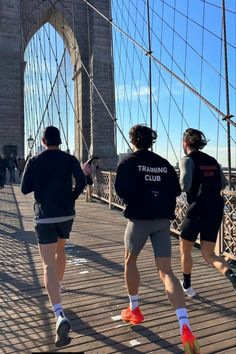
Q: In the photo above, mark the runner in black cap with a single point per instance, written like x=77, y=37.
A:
x=49, y=175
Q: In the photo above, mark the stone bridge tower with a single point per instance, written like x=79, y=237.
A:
x=88, y=38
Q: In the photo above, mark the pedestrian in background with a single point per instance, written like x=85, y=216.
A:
x=21, y=165
x=2, y=168
x=89, y=168
x=12, y=165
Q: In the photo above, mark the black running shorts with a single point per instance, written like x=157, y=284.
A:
x=89, y=180
x=207, y=226
x=49, y=233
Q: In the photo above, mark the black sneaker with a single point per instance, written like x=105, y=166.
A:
x=62, y=330
x=232, y=278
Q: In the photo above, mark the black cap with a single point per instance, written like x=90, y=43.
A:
x=52, y=136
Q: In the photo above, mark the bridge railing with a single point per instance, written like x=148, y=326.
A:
x=226, y=245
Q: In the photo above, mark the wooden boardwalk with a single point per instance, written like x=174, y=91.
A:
x=94, y=291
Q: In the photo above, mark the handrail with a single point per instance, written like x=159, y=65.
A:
x=104, y=189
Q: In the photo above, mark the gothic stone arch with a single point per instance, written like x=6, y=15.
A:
x=84, y=32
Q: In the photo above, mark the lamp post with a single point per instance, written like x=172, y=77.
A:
x=30, y=142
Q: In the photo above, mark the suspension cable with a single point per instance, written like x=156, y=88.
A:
x=49, y=98
x=149, y=63
x=227, y=91
x=223, y=115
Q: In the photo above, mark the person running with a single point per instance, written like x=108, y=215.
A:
x=202, y=178
x=149, y=185
x=49, y=175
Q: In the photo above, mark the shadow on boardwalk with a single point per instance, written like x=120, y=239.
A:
x=94, y=291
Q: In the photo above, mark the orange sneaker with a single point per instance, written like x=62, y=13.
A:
x=189, y=342
x=135, y=317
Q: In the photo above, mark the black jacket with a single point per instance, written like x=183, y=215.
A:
x=204, y=198
x=206, y=182
x=148, y=184
x=50, y=176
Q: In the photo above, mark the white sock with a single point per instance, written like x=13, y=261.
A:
x=182, y=316
x=58, y=310
x=133, y=302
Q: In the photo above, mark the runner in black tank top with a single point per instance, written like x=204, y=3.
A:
x=201, y=177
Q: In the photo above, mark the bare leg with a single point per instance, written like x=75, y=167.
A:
x=207, y=250
x=89, y=193
x=61, y=258
x=172, y=286
x=186, y=256
x=48, y=255
x=86, y=194
x=132, y=278
x=176, y=297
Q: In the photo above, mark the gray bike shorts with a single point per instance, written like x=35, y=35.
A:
x=138, y=231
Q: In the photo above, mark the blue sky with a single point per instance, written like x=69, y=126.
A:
x=167, y=109
x=178, y=43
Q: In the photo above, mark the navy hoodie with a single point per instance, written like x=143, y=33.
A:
x=50, y=176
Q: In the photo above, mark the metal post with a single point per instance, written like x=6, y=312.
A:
x=110, y=190
x=227, y=92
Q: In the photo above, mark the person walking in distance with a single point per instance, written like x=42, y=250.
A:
x=50, y=176
x=12, y=165
x=21, y=165
x=202, y=178
x=3, y=164
x=89, y=169
x=149, y=185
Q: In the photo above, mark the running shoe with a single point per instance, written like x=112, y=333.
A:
x=62, y=331
x=134, y=317
x=190, y=292
x=189, y=342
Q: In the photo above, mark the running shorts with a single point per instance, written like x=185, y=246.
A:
x=204, y=222
x=49, y=233
x=138, y=231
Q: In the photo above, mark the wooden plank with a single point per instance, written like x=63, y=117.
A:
x=95, y=292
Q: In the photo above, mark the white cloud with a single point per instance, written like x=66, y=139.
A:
x=126, y=92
